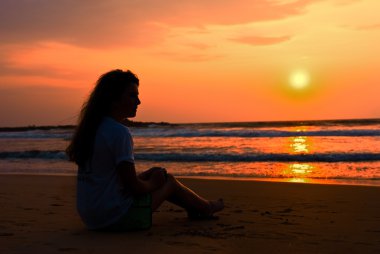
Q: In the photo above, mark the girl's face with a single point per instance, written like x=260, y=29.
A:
x=127, y=105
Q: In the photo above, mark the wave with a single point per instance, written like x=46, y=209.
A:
x=34, y=154
x=202, y=157
x=344, y=179
x=336, y=122
x=249, y=133
x=322, y=157
x=201, y=132
x=36, y=135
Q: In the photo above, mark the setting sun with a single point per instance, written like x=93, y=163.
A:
x=299, y=80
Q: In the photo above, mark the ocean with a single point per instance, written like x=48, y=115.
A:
x=337, y=152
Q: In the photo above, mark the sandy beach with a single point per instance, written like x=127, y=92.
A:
x=38, y=215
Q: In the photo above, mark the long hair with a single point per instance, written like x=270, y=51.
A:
x=108, y=89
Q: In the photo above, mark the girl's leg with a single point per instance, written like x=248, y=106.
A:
x=145, y=175
x=179, y=194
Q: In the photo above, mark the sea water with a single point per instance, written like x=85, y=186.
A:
x=346, y=151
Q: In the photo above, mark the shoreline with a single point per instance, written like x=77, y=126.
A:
x=39, y=215
x=344, y=182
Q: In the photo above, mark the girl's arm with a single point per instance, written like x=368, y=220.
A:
x=136, y=184
x=148, y=173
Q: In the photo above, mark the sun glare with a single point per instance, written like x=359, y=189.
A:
x=299, y=80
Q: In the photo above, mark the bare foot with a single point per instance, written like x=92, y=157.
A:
x=216, y=206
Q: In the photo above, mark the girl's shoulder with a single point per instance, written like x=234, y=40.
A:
x=111, y=127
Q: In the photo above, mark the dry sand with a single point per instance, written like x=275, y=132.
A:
x=38, y=215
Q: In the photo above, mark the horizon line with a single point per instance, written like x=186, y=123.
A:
x=143, y=123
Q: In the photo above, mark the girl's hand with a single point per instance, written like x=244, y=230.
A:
x=159, y=177
x=147, y=174
x=147, y=182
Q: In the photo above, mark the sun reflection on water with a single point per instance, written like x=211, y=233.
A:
x=299, y=169
x=298, y=180
x=299, y=145
x=299, y=172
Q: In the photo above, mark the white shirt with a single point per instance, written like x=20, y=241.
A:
x=101, y=198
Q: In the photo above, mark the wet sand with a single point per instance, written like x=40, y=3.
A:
x=38, y=215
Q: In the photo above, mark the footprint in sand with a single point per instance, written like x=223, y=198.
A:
x=233, y=228
x=6, y=234
x=67, y=249
x=287, y=210
x=246, y=221
x=55, y=204
x=266, y=213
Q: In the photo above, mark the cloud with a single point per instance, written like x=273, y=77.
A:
x=38, y=104
x=198, y=45
x=7, y=69
x=190, y=57
x=346, y=2
x=368, y=27
x=228, y=12
x=99, y=23
x=10, y=65
x=47, y=72
x=262, y=41
x=85, y=23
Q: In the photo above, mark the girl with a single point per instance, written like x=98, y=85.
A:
x=110, y=195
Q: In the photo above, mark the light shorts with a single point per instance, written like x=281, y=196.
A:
x=138, y=217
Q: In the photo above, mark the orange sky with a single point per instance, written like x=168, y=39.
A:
x=197, y=60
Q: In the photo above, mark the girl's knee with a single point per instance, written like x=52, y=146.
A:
x=170, y=177
x=172, y=181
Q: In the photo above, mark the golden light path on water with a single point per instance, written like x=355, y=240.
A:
x=298, y=172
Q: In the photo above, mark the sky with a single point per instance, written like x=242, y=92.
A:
x=197, y=60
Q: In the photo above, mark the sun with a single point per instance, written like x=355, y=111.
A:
x=299, y=80
x=299, y=84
